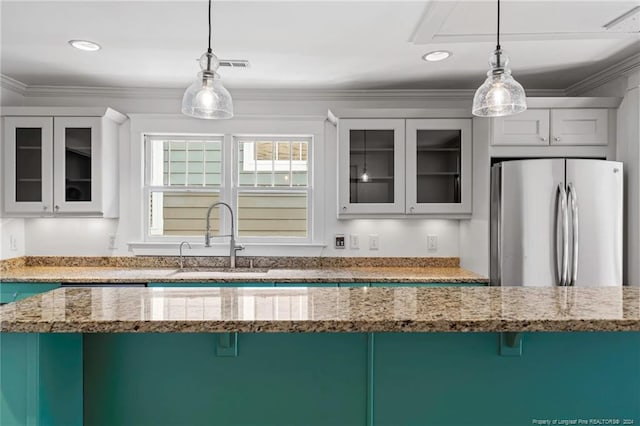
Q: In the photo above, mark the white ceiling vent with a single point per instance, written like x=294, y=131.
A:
x=628, y=22
x=234, y=63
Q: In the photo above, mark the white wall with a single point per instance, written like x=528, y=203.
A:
x=91, y=236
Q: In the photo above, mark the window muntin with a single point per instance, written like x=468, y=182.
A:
x=271, y=163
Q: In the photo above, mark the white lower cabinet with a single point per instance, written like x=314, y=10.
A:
x=61, y=165
x=403, y=167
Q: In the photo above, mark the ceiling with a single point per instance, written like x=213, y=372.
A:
x=312, y=44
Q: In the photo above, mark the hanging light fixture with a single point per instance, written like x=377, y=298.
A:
x=365, y=175
x=207, y=97
x=500, y=94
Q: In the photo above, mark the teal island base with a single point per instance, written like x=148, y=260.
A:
x=318, y=379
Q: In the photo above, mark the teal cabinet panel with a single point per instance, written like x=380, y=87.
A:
x=276, y=379
x=452, y=284
x=353, y=285
x=460, y=379
x=212, y=284
x=40, y=379
x=12, y=292
x=306, y=284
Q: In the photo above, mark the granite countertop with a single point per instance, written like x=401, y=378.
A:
x=335, y=309
x=80, y=274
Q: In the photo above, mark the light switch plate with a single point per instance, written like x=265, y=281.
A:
x=432, y=242
x=374, y=242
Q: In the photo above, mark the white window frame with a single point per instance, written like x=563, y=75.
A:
x=237, y=189
x=228, y=190
x=148, y=188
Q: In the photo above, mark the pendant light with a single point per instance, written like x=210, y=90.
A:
x=207, y=97
x=500, y=94
x=365, y=175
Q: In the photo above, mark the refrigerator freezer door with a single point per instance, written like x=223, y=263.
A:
x=526, y=243
x=597, y=186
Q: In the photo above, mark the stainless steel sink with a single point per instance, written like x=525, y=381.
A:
x=203, y=272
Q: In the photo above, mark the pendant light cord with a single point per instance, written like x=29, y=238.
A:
x=498, y=32
x=209, y=49
x=365, y=151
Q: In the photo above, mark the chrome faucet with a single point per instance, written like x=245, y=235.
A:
x=181, y=257
x=233, y=247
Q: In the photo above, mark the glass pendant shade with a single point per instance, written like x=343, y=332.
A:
x=206, y=97
x=500, y=94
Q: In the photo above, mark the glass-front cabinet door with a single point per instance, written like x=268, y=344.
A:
x=438, y=166
x=371, y=166
x=28, y=164
x=76, y=154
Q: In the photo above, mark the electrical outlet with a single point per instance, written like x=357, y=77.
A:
x=354, y=241
x=432, y=242
x=13, y=243
x=374, y=242
x=112, y=242
x=339, y=244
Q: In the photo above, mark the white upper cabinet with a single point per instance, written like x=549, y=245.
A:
x=438, y=166
x=579, y=127
x=371, y=166
x=28, y=164
x=561, y=126
x=530, y=127
x=399, y=167
x=61, y=165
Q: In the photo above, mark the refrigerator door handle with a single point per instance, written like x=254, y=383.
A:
x=573, y=202
x=564, y=270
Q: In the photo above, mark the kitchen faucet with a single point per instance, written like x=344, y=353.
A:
x=181, y=257
x=233, y=247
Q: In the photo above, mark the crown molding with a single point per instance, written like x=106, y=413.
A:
x=253, y=94
x=12, y=84
x=624, y=67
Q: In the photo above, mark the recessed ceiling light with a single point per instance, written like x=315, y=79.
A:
x=85, y=45
x=435, y=56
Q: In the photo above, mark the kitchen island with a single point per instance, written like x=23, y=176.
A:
x=328, y=356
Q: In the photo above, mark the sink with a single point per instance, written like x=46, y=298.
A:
x=213, y=272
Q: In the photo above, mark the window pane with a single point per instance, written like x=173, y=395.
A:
x=176, y=162
x=277, y=163
x=181, y=213
x=281, y=214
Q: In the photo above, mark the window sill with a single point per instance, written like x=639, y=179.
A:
x=170, y=248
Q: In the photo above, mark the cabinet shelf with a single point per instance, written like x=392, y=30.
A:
x=29, y=180
x=79, y=180
x=30, y=148
x=438, y=150
x=369, y=150
x=440, y=174
x=381, y=178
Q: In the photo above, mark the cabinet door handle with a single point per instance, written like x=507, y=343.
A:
x=57, y=208
x=344, y=208
x=543, y=138
x=557, y=138
x=411, y=209
x=44, y=207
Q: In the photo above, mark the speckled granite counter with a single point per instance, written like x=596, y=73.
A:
x=170, y=275
x=382, y=309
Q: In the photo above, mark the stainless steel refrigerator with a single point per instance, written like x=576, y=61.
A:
x=556, y=222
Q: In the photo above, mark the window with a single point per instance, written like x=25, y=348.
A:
x=273, y=187
x=267, y=186
x=184, y=177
